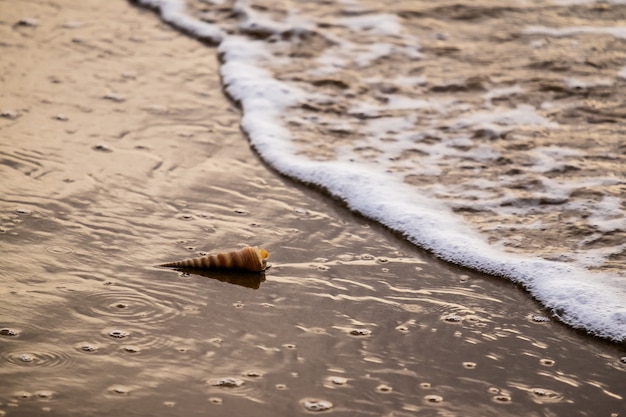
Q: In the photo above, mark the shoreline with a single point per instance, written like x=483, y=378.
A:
x=417, y=216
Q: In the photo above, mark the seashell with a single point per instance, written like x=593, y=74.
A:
x=250, y=258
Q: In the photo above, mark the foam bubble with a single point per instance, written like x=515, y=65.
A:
x=617, y=31
x=313, y=404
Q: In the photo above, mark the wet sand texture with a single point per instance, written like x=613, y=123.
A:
x=464, y=153
x=113, y=160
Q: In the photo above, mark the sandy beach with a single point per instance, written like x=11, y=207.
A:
x=113, y=162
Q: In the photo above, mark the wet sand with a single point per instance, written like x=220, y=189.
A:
x=113, y=162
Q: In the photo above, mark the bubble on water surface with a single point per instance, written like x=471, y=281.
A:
x=453, y=318
x=316, y=405
x=44, y=394
x=44, y=358
x=227, y=382
x=501, y=398
x=539, y=318
x=545, y=396
x=215, y=400
x=384, y=388
x=338, y=380
x=118, y=334
x=25, y=357
x=8, y=332
x=254, y=374
x=22, y=211
x=546, y=362
x=434, y=399
x=87, y=347
x=169, y=404
x=402, y=329
x=360, y=332
x=281, y=387
x=131, y=349
x=119, y=390
x=469, y=365
x=473, y=319
x=241, y=211
x=120, y=302
x=24, y=395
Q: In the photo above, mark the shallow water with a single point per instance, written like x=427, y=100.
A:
x=484, y=133
x=113, y=162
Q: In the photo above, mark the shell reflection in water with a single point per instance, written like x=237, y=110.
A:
x=250, y=259
x=241, y=278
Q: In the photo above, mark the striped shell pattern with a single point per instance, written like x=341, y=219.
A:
x=250, y=258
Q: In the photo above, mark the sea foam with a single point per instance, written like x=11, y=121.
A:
x=591, y=300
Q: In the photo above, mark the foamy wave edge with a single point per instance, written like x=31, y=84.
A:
x=582, y=299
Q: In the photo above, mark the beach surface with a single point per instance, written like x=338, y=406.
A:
x=113, y=161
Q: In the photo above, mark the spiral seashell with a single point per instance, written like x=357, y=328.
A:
x=250, y=258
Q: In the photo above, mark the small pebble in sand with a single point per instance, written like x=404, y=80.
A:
x=102, y=147
x=27, y=22
x=118, y=98
x=9, y=114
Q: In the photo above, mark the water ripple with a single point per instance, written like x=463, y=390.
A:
x=37, y=356
x=127, y=305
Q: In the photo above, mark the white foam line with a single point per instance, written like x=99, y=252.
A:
x=173, y=12
x=617, y=31
x=578, y=299
x=426, y=222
